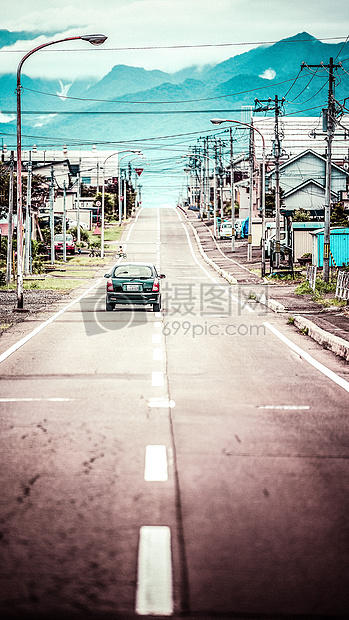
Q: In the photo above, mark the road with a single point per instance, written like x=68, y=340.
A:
x=187, y=463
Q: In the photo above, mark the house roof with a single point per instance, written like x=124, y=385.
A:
x=305, y=184
x=301, y=156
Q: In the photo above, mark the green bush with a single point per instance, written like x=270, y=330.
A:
x=84, y=236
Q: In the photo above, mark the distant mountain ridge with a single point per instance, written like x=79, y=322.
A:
x=132, y=103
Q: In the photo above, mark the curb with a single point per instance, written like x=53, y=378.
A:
x=328, y=341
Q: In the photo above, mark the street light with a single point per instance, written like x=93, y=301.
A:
x=218, y=121
x=94, y=39
x=103, y=193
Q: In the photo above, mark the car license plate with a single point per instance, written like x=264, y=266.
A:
x=133, y=287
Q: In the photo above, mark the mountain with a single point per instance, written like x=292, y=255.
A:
x=9, y=38
x=130, y=103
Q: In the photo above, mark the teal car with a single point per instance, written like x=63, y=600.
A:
x=133, y=284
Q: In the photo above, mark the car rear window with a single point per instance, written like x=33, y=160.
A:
x=133, y=271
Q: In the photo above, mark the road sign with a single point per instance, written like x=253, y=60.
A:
x=139, y=171
x=98, y=203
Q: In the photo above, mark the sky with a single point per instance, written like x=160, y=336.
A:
x=144, y=23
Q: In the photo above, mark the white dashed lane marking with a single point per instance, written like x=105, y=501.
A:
x=157, y=403
x=155, y=469
x=156, y=339
x=157, y=378
x=154, y=578
x=158, y=355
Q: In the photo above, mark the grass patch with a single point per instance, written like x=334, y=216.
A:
x=321, y=288
x=290, y=320
x=113, y=233
x=55, y=284
x=86, y=261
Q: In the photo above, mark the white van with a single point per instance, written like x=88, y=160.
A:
x=225, y=231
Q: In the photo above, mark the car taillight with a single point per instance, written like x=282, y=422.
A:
x=156, y=286
x=110, y=285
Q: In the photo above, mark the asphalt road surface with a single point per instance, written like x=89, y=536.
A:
x=191, y=463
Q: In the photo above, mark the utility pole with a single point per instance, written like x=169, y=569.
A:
x=10, y=220
x=232, y=191
x=330, y=124
x=125, y=197
x=52, y=217
x=250, y=212
x=277, y=155
x=64, y=223
x=78, y=205
x=28, y=218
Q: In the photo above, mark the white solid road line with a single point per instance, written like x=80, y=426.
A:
x=326, y=371
x=245, y=307
x=155, y=469
x=308, y=358
x=137, y=216
x=31, y=400
x=154, y=578
x=285, y=407
x=38, y=329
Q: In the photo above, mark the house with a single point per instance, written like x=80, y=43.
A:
x=302, y=179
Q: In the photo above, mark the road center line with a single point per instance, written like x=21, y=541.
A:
x=155, y=469
x=154, y=578
x=158, y=354
x=156, y=339
x=308, y=358
x=157, y=378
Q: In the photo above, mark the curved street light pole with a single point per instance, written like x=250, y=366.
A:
x=218, y=121
x=94, y=39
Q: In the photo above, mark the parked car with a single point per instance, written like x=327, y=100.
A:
x=225, y=231
x=133, y=283
x=69, y=243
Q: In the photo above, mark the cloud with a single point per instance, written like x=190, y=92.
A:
x=268, y=74
x=137, y=23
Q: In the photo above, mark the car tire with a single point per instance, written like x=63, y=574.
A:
x=156, y=307
x=109, y=307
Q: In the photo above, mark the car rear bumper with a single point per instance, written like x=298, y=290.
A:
x=133, y=299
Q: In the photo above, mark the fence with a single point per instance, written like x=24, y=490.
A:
x=311, y=275
x=342, y=288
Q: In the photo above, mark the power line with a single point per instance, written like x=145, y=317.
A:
x=183, y=46
x=242, y=92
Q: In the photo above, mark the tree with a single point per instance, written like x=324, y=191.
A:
x=270, y=202
x=301, y=215
x=338, y=216
x=4, y=190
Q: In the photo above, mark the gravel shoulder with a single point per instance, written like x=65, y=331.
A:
x=36, y=300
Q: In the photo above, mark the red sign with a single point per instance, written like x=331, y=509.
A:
x=139, y=171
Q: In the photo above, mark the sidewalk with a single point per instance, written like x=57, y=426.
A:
x=329, y=327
